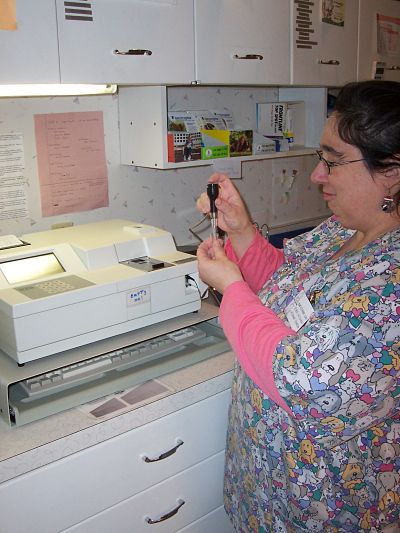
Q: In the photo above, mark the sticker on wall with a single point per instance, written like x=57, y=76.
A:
x=332, y=12
x=80, y=10
x=8, y=20
x=304, y=24
x=230, y=167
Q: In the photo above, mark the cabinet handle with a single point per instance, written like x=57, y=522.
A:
x=249, y=56
x=329, y=62
x=133, y=52
x=166, y=516
x=163, y=455
x=393, y=67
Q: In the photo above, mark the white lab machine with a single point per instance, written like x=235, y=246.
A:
x=69, y=287
x=89, y=310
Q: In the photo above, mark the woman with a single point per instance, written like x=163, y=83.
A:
x=314, y=425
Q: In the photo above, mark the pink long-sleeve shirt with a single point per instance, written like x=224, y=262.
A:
x=253, y=330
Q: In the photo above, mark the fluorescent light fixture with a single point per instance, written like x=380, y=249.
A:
x=57, y=89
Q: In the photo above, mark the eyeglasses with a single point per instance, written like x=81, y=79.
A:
x=332, y=164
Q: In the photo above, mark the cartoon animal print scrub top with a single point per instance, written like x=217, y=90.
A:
x=333, y=464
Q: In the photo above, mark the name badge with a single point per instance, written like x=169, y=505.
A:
x=299, y=311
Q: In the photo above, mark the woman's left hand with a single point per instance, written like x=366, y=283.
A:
x=215, y=268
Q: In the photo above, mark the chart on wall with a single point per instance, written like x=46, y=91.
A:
x=13, y=184
x=388, y=36
x=71, y=162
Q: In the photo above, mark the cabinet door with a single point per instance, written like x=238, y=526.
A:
x=127, y=41
x=387, y=47
x=324, y=43
x=242, y=41
x=29, y=54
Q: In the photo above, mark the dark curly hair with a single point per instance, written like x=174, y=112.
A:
x=368, y=117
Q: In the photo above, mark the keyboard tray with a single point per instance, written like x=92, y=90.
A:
x=72, y=385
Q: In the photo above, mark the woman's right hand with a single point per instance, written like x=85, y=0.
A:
x=233, y=215
x=215, y=268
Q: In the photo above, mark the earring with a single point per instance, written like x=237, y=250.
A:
x=388, y=205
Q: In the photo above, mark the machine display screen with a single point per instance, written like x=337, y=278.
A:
x=31, y=268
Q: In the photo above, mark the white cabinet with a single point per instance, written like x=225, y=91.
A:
x=386, y=48
x=143, y=126
x=30, y=53
x=126, y=41
x=242, y=41
x=168, y=506
x=214, y=42
x=143, y=118
x=323, y=54
x=144, y=472
x=217, y=521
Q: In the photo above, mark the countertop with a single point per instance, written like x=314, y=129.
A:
x=25, y=448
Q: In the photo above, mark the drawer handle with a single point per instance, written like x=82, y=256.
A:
x=329, y=62
x=163, y=455
x=393, y=67
x=166, y=516
x=133, y=52
x=249, y=56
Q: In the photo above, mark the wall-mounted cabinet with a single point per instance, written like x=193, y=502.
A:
x=143, y=118
x=211, y=42
x=126, y=41
x=378, y=39
x=29, y=54
x=242, y=41
x=323, y=45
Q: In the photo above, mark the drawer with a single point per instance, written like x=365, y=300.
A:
x=199, y=487
x=81, y=485
x=215, y=522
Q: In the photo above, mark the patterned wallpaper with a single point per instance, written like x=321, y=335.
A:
x=277, y=191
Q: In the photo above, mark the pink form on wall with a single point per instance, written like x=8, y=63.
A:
x=71, y=162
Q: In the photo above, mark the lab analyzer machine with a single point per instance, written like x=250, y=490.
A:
x=70, y=301
x=72, y=286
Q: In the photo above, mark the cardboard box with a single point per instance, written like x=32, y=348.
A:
x=214, y=152
x=262, y=144
x=182, y=121
x=185, y=140
x=214, y=120
x=183, y=146
x=271, y=118
x=194, y=121
x=281, y=143
x=226, y=143
x=282, y=119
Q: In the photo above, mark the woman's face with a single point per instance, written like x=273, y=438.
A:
x=352, y=193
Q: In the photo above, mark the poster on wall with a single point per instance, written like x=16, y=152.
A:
x=332, y=12
x=388, y=35
x=13, y=197
x=71, y=162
